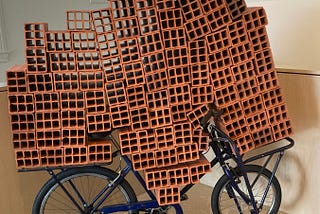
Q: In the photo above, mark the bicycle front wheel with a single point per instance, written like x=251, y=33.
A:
x=83, y=184
x=223, y=202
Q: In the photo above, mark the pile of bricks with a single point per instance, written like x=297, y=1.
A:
x=149, y=68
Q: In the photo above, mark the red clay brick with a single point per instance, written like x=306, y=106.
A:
x=268, y=81
x=179, y=75
x=277, y=113
x=20, y=104
x=174, y=37
x=272, y=97
x=148, y=20
x=74, y=137
x=47, y=120
x=220, y=59
x=16, y=79
x=62, y=61
x=179, y=175
x=166, y=157
x=179, y=94
x=218, y=18
x=255, y=17
x=198, y=168
x=198, y=51
x=257, y=121
x=129, y=141
x=155, y=62
x=202, y=94
x=243, y=71
x=259, y=39
x=48, y=138
x=241, y=53
x=226, y=96
x=147, y=140
x=172, y=18
x=70, y=100
x=183, y=133
x=75, y=155
x=113, y=69
x=98, y=123
x=58, y=41
x=202, y=139
x=247, y=88
x=168, y=195
x=24, y=140
x=22, y=122
x=238, y=32
x=158, y=99
x=127, y=28
x=180, y=111
x=232, y=111
x=197, y=27
x=160, y=117
x=165, y=137
x=95, y=102
x=115, y=93
x=143, y=161
x=73, y=118
x=39, y=82
x=136, y=97
x=187, y=153
x=197, y=114
x=91, y=80
x=140, y=118
x=221, y=77
x=35, y=34
x=177, y=57
x=78, y=20
x=157, y=80
x=120, y=116
x=264, y=61
x=27, y=158
x=51, y=157
x=88, y=60
x=134, y=74
x=36, y=59
x=236, y=8
x=218, y=40
x=282, y=130
x=156, y=178
x=68, y=81
x=100, y=151
x=129, y=50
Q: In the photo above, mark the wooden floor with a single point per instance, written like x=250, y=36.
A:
x=198, y=202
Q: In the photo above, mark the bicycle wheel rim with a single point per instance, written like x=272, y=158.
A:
x=227, y=204
x=56, y=201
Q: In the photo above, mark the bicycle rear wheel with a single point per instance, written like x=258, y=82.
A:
x=223, y=203
x=88, y=181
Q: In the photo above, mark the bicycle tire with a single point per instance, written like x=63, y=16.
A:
x=220, y=197
x=81, y=177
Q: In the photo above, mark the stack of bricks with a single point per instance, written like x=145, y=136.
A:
x=149, y=69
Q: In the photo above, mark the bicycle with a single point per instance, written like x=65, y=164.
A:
x=238, y=189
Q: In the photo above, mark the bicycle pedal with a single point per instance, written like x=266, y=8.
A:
x=184, y=197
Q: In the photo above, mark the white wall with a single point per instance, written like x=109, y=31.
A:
x=294, y=32
x=17, y=12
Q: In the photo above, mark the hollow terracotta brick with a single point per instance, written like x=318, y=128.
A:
x=20, y=104
x=48, y=138
x=172, y=18
x=113, y=69
x=277, y=113
x=202, y=94
x=88, y=60
x=36, y=60
x=102, y=20
x=58, y=41
x=164, y=4
x=134, y=74
x=51, y=157
x=147, y=141
x=129, y=141
x=264, y=61
x=174, y=37
x=95, y=102
x=238, y=32
x=221, y=77
x=47, y=120
x=218, y=40
x=247, y=88
x=187, y=153
x=108, y=45
x=136, y=97
x=143, y=4
x=179, y=175
x=198, y=51
x=154, y=62
x=157, y=80
x=78, y=20
x=197, y=27
x=22, y=122
x=120, y=116
x=282, y=129
x=156, y=178
x=272, y=97
x=115, y=93
x=26, y=159
x=150, y=43
x=68, y=81
x=180, y=111
x=243, y=71
x=98, y=123
x=177, y=57
x=143, y=161
x=197, y=114
x=168, y=195
x=76, y=155
x=166, y=157
x=122, y=9
x=158, y=99
x=259, y=39
x=198, y=168
x=220, y=59
x=165, y=137
x=73, y=118
x=179, y=75
x=83, y=41
x=70, y=100
x=252, y=105
x=62, y=61
x=218, y=18
x=209, y=5
x=127, y=28
x=100, y=151
x=232, y=111
x=179, y=94
x=201, y=138
x=16, y=79
x=268, y=81
x=91, y=80
x=35, y=34
x=129, y=49
x=148, y=20
x=160, y=117
x=24, y=140
x=258, y=121
x=237, y=128
x=226, y=96
x=241, y=52
x=236, y=8
x=140, y=118
x=73, y=137
x=263, y=137
x=245, y=143
x=255, y=17
x=191, y=9
x=183, y=133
